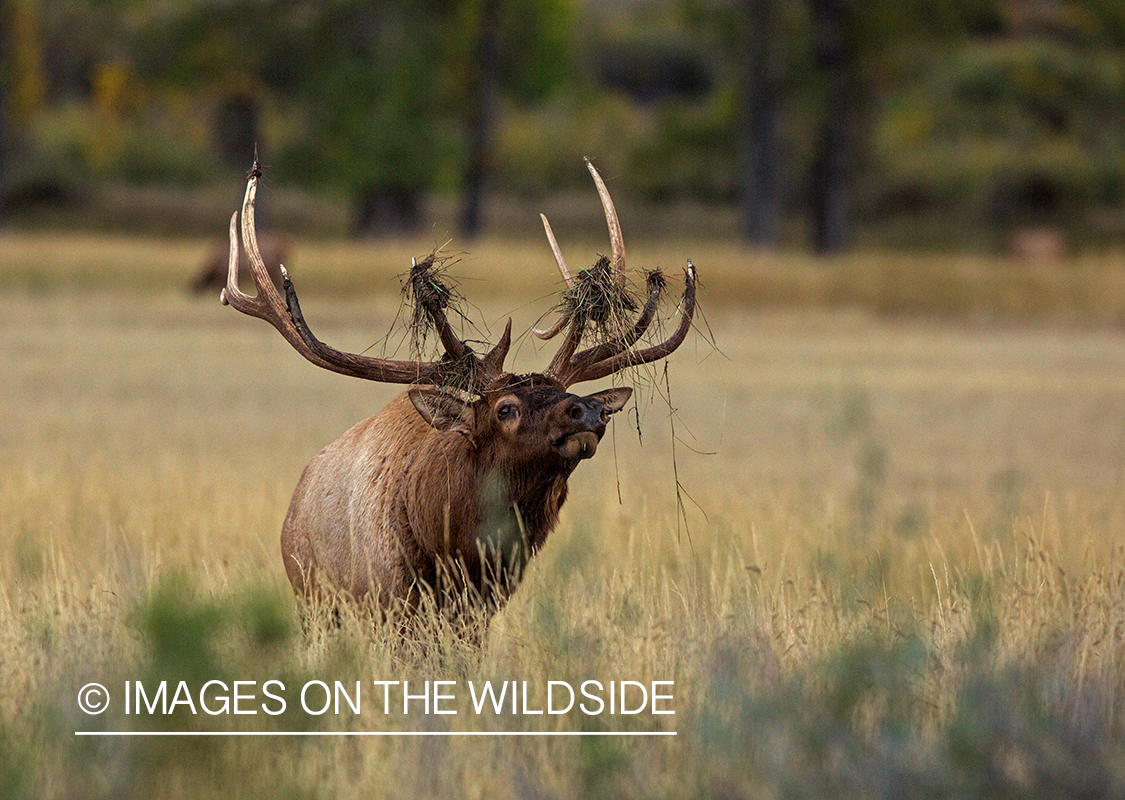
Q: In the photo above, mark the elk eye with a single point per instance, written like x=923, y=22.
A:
x=507, y=411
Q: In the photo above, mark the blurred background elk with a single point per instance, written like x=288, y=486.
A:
x=212, y=277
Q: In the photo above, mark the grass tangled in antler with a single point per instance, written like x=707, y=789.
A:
x=428, y=291
x=431, y=294
x=601, y=300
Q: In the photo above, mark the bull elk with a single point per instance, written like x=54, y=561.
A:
x=447, y=492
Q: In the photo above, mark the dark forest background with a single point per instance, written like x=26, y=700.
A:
x=920, y=123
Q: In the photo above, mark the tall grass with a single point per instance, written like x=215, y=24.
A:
x=897, y=570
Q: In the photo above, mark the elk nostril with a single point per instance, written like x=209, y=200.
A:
x=576, y=412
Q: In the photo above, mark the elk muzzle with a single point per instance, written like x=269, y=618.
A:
x=581, y=427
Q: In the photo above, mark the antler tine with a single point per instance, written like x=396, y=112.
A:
x=616, y=240
x=493, y=362
x=575, y=372
x=552, y=332
x=232, y=263
x=453, y=345
x=561, y=362
x=560, y=323
x=268, y=304
x=558, y=253
x=286, y=316
x=564, y=362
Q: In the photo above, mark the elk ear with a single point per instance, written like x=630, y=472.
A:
x=614, y=399
x=443, y=409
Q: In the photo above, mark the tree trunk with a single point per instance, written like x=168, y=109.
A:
x=387, y=211
x=831, y=184
x=760, y=156
x=7, y=146
x=831, y=178
x=237, y=130
x=480, y=119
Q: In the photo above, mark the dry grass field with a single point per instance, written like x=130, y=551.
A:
x=897, y=572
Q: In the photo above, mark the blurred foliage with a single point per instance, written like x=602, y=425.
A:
x=1007, y=110
x=370, y=81
x=1029, y=127
x=848, y=727
x=77, y=144
x=22, y=73
x=692, y=155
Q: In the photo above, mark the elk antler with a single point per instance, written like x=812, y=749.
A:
x=655, y=282
x=616, y=355
x=617, y=252
x=564, y=318
x=612, y=356
x=589, y=365
x=616, y=241
x=286, y=316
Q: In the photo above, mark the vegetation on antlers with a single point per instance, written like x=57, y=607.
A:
x=599, y=298
x=428, y=289
x=430, y=294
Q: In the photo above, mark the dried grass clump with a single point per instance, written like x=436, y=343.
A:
x=601, y=300
x=459, y=377
x=429, y=292
x=431, y=296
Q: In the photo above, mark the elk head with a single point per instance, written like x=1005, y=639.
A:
x=530, y=419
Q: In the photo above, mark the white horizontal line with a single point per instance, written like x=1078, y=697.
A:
x=375, y=733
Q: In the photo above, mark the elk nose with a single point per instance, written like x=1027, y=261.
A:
x=586, y=413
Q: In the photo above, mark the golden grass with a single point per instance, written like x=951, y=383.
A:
x=899, y=570
x=1088, y=289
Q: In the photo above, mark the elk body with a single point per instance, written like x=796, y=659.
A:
x=447, y=492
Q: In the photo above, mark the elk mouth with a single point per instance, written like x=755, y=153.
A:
x=577, y=446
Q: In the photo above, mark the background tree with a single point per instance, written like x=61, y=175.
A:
x=760, y=151
x=22, y=92
x=860, y=51
x=482, y=88
x=367, y=80
x=503, y=51
x=827, y=112
x=6, y=140
x=1019, y=129
x=830, y=178
x=234, y=53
